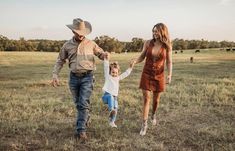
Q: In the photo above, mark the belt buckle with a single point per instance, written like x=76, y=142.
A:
x=82, y=73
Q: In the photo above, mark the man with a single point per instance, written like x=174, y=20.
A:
x=80, y=53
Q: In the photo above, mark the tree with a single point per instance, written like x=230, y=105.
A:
x=3, y=42
x=179, y=44
x=204, y=44
x=214, y=44
x=109, y=44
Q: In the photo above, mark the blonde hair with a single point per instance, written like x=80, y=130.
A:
x=164, y=36
x=114, y=65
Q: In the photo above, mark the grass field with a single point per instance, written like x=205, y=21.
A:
x=197, y=111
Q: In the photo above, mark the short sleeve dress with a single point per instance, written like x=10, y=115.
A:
x=152, y=78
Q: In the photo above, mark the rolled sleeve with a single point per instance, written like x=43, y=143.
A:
x=61, y=60
x=99, y=52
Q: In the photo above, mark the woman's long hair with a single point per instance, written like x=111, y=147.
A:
x=164, y=36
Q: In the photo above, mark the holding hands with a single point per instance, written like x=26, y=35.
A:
x=132, y=63
x=106, y=55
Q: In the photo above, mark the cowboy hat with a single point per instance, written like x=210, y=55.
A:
x=80, y=27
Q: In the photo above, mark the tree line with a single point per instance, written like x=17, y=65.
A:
x=107, y=43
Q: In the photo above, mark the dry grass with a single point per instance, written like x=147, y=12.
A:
x=196, y=112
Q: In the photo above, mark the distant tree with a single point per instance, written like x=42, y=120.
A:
x=41, y=46
x=12, y=45
x=194, y=44
x=109, y=44
x=214, y=44
x=135, y=45
x=3, y=42
x=179, y=44
x=224, y=44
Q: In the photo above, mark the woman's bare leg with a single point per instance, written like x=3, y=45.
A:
x=156, y=100
x=146, y=97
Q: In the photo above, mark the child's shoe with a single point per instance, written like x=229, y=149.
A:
x=144, y=128
x=112, y=124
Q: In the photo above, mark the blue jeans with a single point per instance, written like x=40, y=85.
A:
x=81, y=89
x=112, y=103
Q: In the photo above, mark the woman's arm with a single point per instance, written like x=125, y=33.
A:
x=169, y=65
x=143, y=53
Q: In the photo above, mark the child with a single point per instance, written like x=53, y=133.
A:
x=111, y=87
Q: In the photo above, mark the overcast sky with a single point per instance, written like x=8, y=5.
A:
x=122, y=19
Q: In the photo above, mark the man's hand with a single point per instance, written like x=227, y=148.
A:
x=55, y=82
x=107, y=56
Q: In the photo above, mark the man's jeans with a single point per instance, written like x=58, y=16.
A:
x=112, y=103
x=81, y=88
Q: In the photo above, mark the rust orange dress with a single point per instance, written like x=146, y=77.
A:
x=152, y=78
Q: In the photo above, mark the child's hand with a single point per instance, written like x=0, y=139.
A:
x=132, y=63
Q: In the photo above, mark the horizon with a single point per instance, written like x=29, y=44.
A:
x=119, y=40
x=211, y=20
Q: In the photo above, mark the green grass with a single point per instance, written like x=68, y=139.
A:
x=197, y=111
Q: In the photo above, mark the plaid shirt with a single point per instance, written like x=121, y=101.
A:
x=81, y=56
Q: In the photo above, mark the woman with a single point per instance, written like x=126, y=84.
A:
x=156, y=51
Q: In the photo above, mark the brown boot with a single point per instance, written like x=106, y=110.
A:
x=88, y=122
x=81, y=137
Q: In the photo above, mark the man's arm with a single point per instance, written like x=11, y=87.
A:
x=99, y=52
x=61, y=60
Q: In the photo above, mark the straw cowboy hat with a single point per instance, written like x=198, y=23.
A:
x=80, y=27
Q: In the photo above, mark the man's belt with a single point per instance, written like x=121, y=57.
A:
x=82, y=74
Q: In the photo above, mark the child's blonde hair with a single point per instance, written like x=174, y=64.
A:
x=114, y=65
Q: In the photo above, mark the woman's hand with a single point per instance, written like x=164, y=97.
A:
x=132, y=63
x=168, y=79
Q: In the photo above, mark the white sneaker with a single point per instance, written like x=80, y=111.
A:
x=112, y=124
x=143, y=129
x=154, y=120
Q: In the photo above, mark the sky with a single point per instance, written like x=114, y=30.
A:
x=122, y=19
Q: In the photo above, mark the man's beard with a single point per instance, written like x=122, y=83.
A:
x=78, y=39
